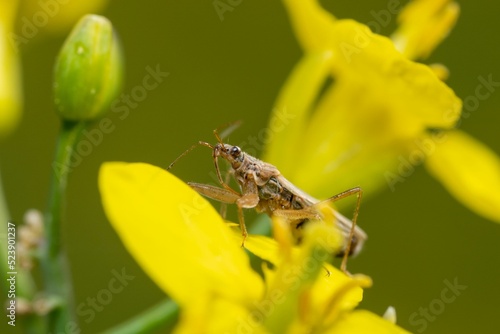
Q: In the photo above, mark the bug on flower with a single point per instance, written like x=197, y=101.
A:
x=264, y=189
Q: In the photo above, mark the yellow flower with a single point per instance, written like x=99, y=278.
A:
x=195, y=258
x=423, y=25
x=382, y=115
x=57, y=16
x=10, y=80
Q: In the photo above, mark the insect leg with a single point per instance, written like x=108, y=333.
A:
x=223, y=206
x=219, y=176
x=250, y=199
x=219, y=194
x=306, y=213
x=202, y=143
x=359, y=193
x=225, y=197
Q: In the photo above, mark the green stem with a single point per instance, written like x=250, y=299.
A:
x=163, y=314
x=53, y=260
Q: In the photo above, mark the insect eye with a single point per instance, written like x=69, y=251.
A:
x=235, y=151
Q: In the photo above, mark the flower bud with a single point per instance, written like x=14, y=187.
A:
x=88, y=71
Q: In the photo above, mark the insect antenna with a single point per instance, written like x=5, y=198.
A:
x=202, y=143
x=228, y=129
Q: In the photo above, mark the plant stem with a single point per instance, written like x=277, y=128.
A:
x=163, y=314
x=54, y=264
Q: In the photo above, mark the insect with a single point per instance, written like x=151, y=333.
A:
x=266, y=190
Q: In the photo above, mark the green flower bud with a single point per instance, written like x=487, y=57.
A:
x=88, y=71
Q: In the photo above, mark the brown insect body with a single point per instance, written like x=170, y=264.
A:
x=264, y=188
x=276, y=193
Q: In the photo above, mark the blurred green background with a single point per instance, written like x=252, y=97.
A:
x=220, y=71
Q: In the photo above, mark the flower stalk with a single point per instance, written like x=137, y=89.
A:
x=53, y=260
x=165, y=313
x=88, y=75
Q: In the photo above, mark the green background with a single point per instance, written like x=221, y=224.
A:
x=220, y=71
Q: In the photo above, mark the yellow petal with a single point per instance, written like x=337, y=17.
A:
x=423, y=25
x=269, y=250
x=8, y=10
x=470, y=171
x=363, y=322
x=441, y=71
x=377, y=102
x=218, y=316
x=312, y=24
x=376, y=86
x=10, y=76
x=175, y=235
x=262, y=246
x=343, y=293
x=57, y=16
x=292, y=108
x=309, y=291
